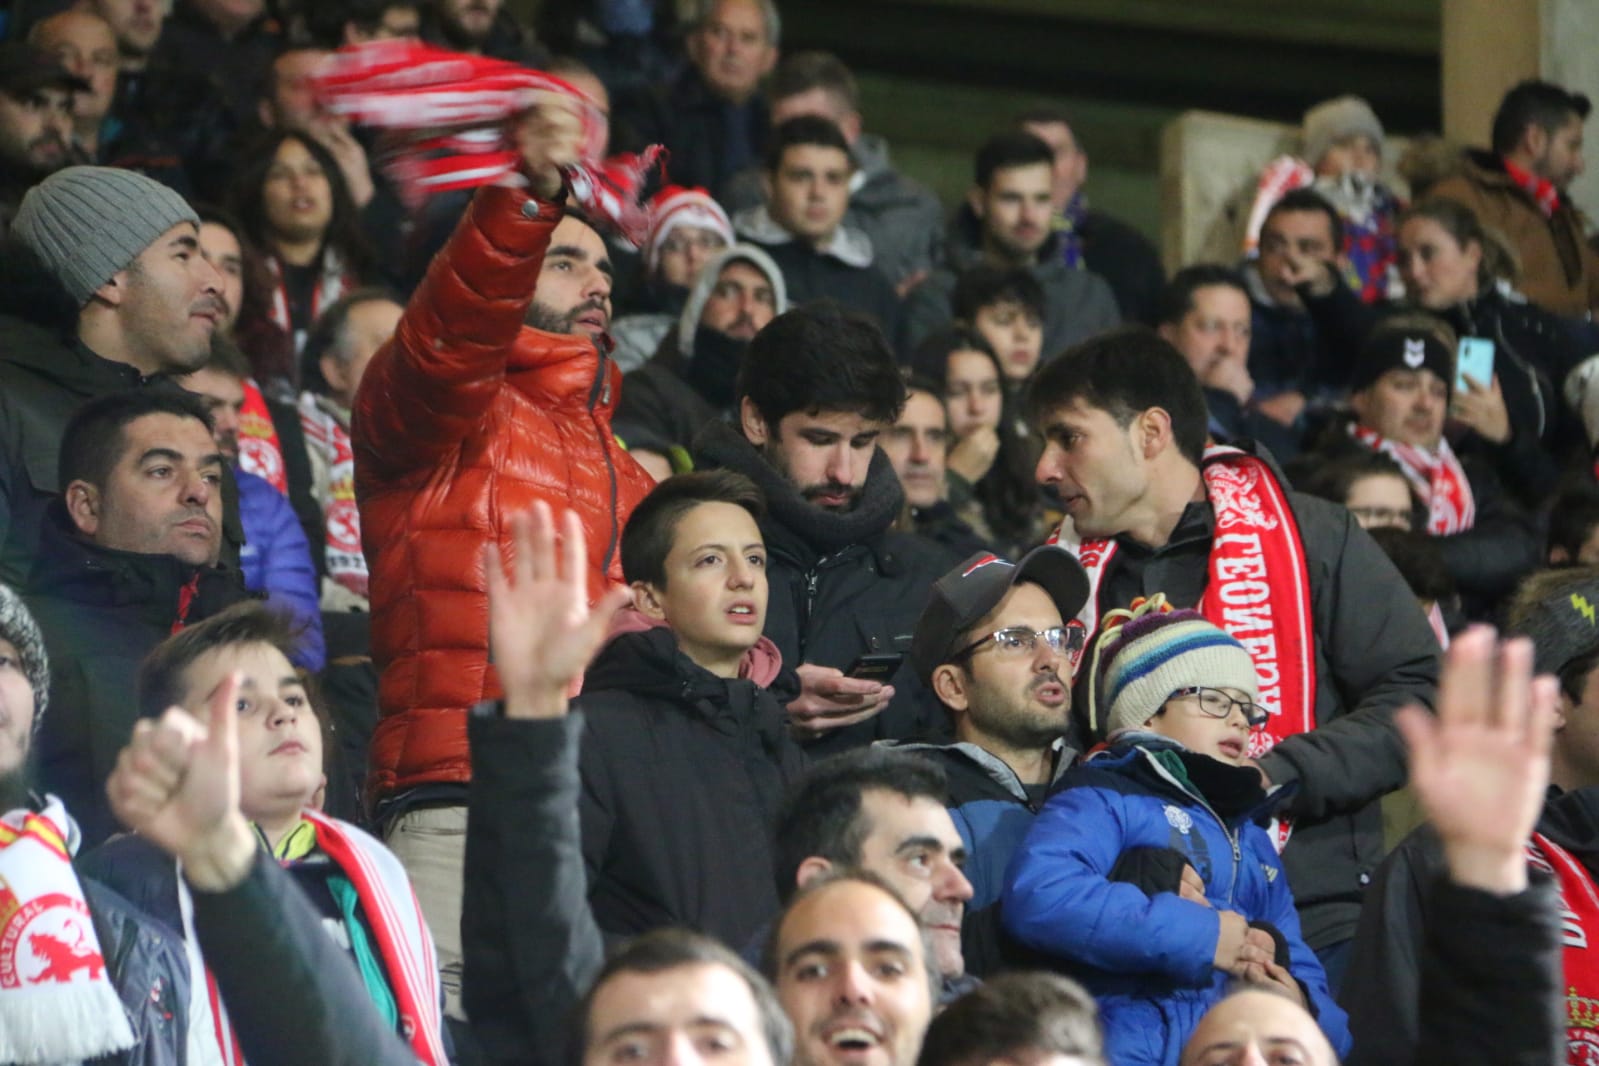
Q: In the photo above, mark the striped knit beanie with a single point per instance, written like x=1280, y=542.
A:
x=18, y=627
x=1145, y=654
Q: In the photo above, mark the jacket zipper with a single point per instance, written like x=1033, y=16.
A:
x=1232, y=839
x=601, y=389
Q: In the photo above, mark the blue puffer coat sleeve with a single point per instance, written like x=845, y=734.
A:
x=277, y=560
x=1058, y=899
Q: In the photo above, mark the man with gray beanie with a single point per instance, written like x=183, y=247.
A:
x=114, y=295
x=1559, y=611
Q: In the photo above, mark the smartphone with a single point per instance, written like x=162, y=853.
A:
x=875, y=667
x=1474, y=359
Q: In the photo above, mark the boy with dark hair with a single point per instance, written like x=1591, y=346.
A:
x=357, y=886
x=676, y=707
x=1005, y=305
x=1017, y=1017
x=1007, y=221
x=806, y=182
x=1178, y=700
x=1573, y=521
x=816, y=389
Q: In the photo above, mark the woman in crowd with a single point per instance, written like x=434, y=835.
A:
x=297, y=212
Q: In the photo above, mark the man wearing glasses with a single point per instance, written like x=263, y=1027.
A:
x=993, y=647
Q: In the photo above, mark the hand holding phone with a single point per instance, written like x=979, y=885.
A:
x=1474, y=360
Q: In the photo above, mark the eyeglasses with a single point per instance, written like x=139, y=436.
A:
x=683, y=243
x=1218, y=704
x=1017, y=641
x=1382, y=517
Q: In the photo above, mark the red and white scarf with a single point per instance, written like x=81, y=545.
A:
x=1438, y=480
x=1258, y=591
x=1542, y=190
x=57, y=1003
x=400, y=931
x=333, y=281
x=260, y=453
x=1579, y=924
x=445, y=113
x=329, y=438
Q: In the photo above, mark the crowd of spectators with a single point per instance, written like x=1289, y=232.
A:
x=444, y=621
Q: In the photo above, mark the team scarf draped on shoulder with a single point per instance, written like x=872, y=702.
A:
x=445, y=112
x=57, y=1002
x=1258, y=591
x=1437, y=478
x=1579, y=924
x=403, y=940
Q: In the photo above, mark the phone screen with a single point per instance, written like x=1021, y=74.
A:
x=1474, y=359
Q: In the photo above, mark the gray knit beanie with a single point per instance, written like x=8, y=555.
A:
x=1559, y=610
x=87, y=223
x=18, y=627
x=1333, y=120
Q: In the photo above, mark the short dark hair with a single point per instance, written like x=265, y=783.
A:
x=1124, y=373
x=986, y=285
x=930, y=358
x=802, y=72
x=1177, y=298
x=160, y=679
x=651, y=529
x=822, y=816
x=1013, y=148
x=94, y=439
x=1014, y=1013
x=820, y=358
x=668, y=949
x=1572, y=519
x=804, y=130
x=325, y=20
x=329, y=334
x=1416, y=556
x=1311, y=202
x=227, y=358
x=1534, y=102
x=1334, y=478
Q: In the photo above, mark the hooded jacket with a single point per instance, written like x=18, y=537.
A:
x=1149, y=960
x=1078, y=303
x=682, y=774
x=1559, y=270
x=101, y=611
x=842, y=585
x=689, y=383
x=464, y=419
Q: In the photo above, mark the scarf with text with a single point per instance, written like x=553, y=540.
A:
x=1258, y=591
x=57, y=1002
x=1579, y=918
x=1437, y=479
x=1542, y=190
x=329, y=438
x=445, y=115
x=403, y=941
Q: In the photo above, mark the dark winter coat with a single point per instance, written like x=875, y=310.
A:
x=694, y=125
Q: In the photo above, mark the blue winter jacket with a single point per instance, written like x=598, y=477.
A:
x=276, y=560
x=1149, y=960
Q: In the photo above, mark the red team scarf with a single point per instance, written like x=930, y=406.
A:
x=1579, y=920
x=1438, y=479
x=259, y=451
x=1542, y=190
x=445, y=112
x=1258, y=592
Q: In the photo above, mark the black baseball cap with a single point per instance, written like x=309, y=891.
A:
x=26, y=69
x=965, y=595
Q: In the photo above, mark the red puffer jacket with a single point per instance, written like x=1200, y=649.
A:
x=466, y=418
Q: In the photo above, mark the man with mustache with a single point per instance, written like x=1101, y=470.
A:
x=815, y=390
x=481, y=27
x=1007, y=221
x=36, y=94
x=111, y=292
x=994, y=648
x=128, y=555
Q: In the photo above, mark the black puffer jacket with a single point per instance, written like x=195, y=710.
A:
x=842, y=585
x=101, y=611
x=682, y=774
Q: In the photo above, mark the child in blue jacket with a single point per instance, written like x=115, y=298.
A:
x=1178, y=698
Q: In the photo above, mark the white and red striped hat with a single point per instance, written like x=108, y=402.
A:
x=676, y=206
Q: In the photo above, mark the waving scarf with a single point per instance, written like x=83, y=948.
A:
x=445, y=114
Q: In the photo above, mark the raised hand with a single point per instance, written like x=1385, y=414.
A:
x=177, y=785
x=1481, y=766
x=548, y=136
x=829, y=700
x=542, y=632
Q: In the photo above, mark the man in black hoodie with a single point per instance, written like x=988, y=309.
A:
x=815, y=391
